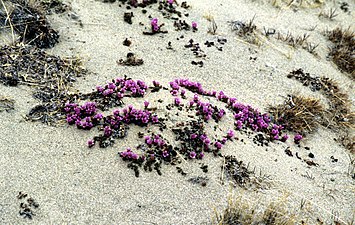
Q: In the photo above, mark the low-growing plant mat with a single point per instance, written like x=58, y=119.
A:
x=72, y=183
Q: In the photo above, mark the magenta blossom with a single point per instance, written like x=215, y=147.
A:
x=230, y=133
x=284, y=138
x=91, y=143
x=146, y=104
x=298, y=137
x=218, y=145
x=192, y=155
x=194, y=25
x=177, y=101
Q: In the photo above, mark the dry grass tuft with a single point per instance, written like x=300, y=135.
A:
x=239, y=212
x=299, y=114
x=338, y=115
x=342, y=52
x=246, y=30
x=238, y=173
x=293, y=41
x=51, y=77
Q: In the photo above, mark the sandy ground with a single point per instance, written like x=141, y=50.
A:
x=77, y=185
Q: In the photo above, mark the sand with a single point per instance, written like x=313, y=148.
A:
x=77, y=185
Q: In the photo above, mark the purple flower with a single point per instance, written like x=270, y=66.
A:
x=284, y=138
x=155, y=119
x=221, y=113
x=70, y=119
x=230, y=133
x=99, y=88
x=174, y=92
x=170, y=2
x=201, y=155
x=297, y=138
x=111, y=86
x=177, y=101
x=193, y=136
x=218, y=145
x=156, y=83
x=174, y=85
x=146, y=103
x=107, y=92
x=194, y=25
x=90, y=143
x=107, y=131
x=148, y=140
x=238, y=124
x=98, y=116
x=224, y=140
x=192, y=155
x=274, y=132
x=154, y=21
x=134, y=156
x=207, y=141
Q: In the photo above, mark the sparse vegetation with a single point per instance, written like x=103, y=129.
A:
x=212, y=29
x=330, y=14
x=245, y=30
x=240, y=211
x=338, y=115
x=239, y=174
x=299, y=114
x=342, y=52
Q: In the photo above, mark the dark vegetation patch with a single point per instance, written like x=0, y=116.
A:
x=343, y=49
x=56, y=6
x=6, y=104
x=245, y=30
x=28, y=206
x=131, y=60
x=50, y=76
x=29, y=23
x=239, y=174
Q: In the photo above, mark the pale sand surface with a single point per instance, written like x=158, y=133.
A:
x=77, y=185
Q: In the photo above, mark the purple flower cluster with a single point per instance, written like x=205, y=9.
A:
x=155, y=26
x=129, y=155
x=84, y=117
x=154, y=140
x=91, y=143
x=206, y=109
x=297, y=138
x=131, y=115
x=121, y=87
x=245, y=115
x=192, y=86
x=158, y=147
